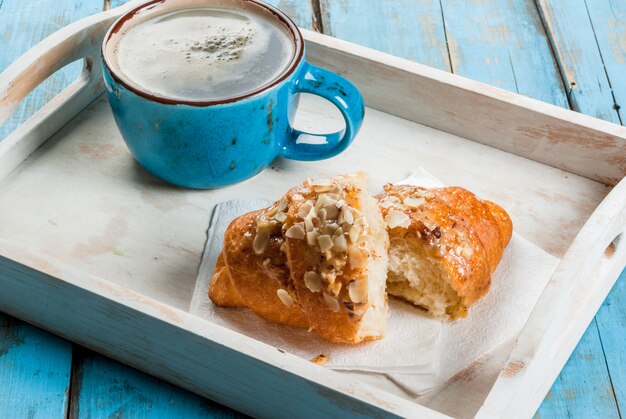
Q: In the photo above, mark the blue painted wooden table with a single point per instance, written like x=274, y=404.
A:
x=571, y=53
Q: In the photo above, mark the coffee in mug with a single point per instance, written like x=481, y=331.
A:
x=204, y=53
x=204, y=91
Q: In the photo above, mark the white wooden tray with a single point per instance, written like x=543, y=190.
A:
x=96, y=250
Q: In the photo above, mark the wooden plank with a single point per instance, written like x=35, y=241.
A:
x=581, y=62
x=503, y=43
x=22, y=25
x=608, y=18
x=102, y=387
x=611, y=320
x=34, y=371
x=300, y=11
x=406, y=28
x=583, y=389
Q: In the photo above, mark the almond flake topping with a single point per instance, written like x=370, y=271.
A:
x=413, y=202
x=341, y=245
x=284, y=296
x=311, y=237
x=313, y=281
x=358, y=291
x=304, y=209
x=296, y=231
x=397, y=218
x=261, y=240
x=280, y=217
x=331, y=302
x=346, y=215
x=325, y=243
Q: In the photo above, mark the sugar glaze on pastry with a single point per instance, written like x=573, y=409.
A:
x=445, y=243
x=317, y=258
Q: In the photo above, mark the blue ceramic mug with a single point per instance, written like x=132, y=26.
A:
x=216, y=143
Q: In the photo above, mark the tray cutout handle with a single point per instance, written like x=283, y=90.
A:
x=80, y=40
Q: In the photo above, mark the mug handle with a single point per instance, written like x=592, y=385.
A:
x=340, y=92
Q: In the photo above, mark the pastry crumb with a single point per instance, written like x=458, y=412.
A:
x=321, y=359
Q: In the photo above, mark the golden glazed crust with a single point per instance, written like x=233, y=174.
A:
x=267, y=268
x=465, y=235
x=257, y=277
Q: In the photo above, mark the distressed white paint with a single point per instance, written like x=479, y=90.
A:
x=100, y=252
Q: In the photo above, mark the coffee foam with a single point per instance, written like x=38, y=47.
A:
x=203, y=54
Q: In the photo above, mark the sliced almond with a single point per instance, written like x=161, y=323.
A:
x=340, y=203
x=330, y=228
x=304, y=209
x=331, y=212
x=389, y=201
x=311, y=237
x=324, y=200
x=322, y=185
x=297, y=197
x=313, y=281
x=357, y=291
x=284, y=296
x=357, y=258
x=413, y=202
x=266, y=261
x=308, y=224
x=325, y=243
x=296, y=231
x=260, y=241
x=347, y=215
x=321, y=213
x=341, y=245
x=282, y=205
x=354, y=233
x=280, y=217
x=331, y=302
x=397, y=218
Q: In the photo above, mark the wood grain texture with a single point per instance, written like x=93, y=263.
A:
x=608, y=18
x=503, y=43
x=611, y=321
x=406, y=28
x=22, y=25
x=103, y=388
x=583, y=389
x=573, y=38
x=34, y=371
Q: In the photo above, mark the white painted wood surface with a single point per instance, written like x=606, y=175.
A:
x=95, y=249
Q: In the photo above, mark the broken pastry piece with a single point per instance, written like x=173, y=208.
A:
x=317, y=258
x=445, y=244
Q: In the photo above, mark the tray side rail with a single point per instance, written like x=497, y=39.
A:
x=577, y=288
x=485, y=114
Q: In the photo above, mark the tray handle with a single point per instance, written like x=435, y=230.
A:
x=575, y=292
x=79, y=40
